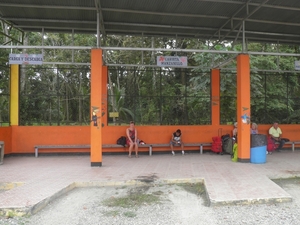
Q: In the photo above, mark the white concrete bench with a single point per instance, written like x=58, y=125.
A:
x=200, y=145
x=150, y=146
x=1, y=152
x=292, y=143
x=39, y=147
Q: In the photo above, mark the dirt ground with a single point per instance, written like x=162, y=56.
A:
x=150, y=204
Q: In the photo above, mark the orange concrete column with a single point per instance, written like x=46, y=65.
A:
x=215, y=95
x=96, y=107
x=243, y=107
x=104, y=95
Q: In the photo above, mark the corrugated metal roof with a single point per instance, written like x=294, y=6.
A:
x=265, y=20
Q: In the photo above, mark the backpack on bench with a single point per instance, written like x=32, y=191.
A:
x=121, y=141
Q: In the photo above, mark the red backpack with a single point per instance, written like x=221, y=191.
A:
x=217, y=144
x=271, y=145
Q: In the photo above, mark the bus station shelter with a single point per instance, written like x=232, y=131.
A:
x=242, y=21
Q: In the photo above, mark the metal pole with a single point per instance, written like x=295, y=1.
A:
x=98, y=29
x=150, y=49
x=244, y=46
x=43, y=34
x=72, y=45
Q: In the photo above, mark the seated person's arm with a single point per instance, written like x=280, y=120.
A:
x=234, y=132
x=173, y=139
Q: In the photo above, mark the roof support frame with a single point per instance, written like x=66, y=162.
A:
x=246, y=17
x=111, y=9
x=202, y=16
x=100, y=23
x=5, y=24
x=149, y=49
x=229, y=20
x=189, y=67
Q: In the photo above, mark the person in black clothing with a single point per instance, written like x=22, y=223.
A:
x=176, y=140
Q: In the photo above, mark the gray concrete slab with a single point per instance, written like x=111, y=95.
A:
x=39, y=180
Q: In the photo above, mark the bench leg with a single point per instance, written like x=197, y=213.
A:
x=36, y=152
x=150, y=150
x=293, y=147
x=201, y=149
x=1, y=153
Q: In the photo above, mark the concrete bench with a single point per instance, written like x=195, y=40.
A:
x=200, y=145
x=1, y=152
x=38, y=147
x=121, y=146
x=150, y=146
x=292, y=143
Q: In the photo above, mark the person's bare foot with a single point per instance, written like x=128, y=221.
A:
x=129, y=156
x=136, y=156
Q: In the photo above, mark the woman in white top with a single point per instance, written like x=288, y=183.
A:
x=234, y=132
x=253, y=129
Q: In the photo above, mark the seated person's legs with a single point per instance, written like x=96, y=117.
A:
x=281, y=143
x=172, y=149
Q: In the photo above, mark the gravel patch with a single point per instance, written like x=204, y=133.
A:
x=163, y=204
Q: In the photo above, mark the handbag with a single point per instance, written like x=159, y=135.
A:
x=285, y=139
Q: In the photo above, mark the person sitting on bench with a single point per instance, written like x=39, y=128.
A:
x=275, y=133
x=176, y=141
x=132, y=139
x=235, y=130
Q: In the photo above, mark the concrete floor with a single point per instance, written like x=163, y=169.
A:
x=29, y=183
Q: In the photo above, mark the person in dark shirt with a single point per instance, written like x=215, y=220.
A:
x=176, y=140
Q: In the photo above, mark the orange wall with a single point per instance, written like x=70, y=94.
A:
x=5, y=135
x=25, y=137
x=28, y=136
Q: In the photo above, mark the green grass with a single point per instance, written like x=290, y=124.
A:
x=129, y=214
x=112, y=213
x=194, y=188
x=286, y=181
x=197, y=189
x=157, y=193
x=132, y=200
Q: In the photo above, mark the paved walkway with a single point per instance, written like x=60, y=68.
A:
x=39, y=180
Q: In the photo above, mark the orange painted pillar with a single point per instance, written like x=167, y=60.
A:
x=96, y=107
x=215, y=95
x=104, y=95
x=243, y=107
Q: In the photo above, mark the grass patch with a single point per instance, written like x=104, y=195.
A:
x=112, y=213
x=286, y=181
x=197, y=189
x=129, y=214
x=194, y=188
x=122, y=187
x=132, y=200
x=157, y=193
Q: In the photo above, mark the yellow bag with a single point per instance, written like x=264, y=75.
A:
x=234, y=156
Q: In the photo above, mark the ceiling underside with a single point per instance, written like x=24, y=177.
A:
x=265, y=20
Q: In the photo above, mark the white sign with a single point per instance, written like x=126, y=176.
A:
x=297, y=65
x=172, y=61
x=34, y=59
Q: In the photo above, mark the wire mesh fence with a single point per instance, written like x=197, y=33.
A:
x=4, y=95
x=55, y=96
x=150, y=96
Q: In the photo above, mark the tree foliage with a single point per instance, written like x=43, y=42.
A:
x=60, y=94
